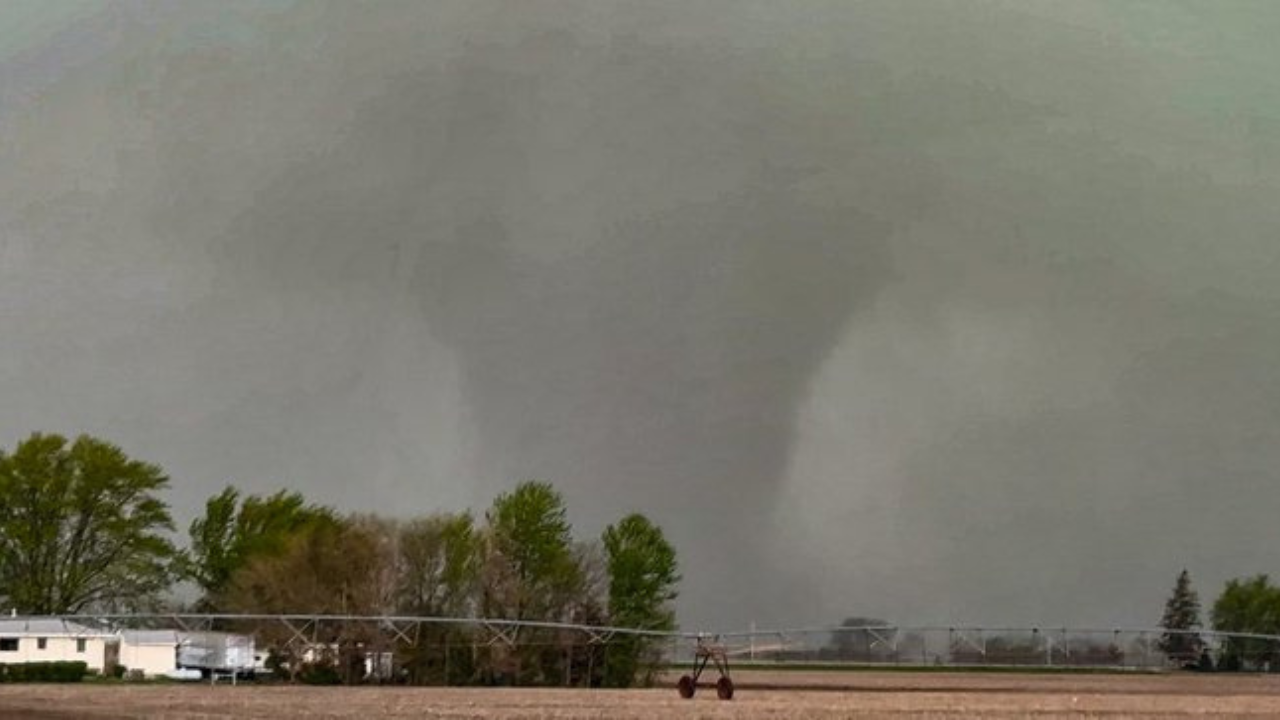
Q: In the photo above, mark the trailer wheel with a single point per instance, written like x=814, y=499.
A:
x=686, y=686
x=724, y=688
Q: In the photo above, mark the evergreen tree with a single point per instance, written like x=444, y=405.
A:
x=1181, y=612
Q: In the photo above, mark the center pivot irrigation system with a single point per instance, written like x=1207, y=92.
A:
x=1144, y=648
x=302, y=631
x=708, y=651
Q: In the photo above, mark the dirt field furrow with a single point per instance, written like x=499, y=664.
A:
x=772, y=695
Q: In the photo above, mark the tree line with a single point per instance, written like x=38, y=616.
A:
x=83, y=528
x=1248, y=605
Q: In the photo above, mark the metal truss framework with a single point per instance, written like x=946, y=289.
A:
x=302, y=630
x=968, y=645
x=1059, y=645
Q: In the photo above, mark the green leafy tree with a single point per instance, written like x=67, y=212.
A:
x=1181, y=613
x=1248, y=605
x=81, y=527
x=530, y=560
x=642, y=583
x=233, y=531
x=529, y=572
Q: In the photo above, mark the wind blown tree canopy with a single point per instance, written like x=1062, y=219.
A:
x=344, y=567
x=233, y=532
x=81, y=527
x=332, y=568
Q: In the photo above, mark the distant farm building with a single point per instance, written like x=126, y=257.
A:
x=153, y=653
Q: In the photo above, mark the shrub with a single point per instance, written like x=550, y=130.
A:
x=320, y=673
x=47, y=672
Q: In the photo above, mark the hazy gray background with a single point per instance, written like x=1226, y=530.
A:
x=930, y=311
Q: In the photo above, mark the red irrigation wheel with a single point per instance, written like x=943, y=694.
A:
x=724, y=688
x=686, y=687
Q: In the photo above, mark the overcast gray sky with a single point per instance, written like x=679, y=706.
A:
x=939, y=312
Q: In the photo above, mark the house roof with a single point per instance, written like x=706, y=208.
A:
x=151, y=637
x=45, y=626
x=58, y=627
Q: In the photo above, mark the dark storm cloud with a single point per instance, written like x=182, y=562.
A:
x=612, y=241
x=891, y=309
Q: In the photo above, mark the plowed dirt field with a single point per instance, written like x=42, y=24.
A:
x=774, y=695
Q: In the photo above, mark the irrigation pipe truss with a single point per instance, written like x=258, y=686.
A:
x=506, y=629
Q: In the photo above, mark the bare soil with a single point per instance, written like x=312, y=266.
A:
x=761, y=694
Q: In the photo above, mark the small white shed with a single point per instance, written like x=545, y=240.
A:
x=154, y=652
x=38, y=639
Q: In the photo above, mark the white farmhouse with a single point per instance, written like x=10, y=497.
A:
x=37, y=639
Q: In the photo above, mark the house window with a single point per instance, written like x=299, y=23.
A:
x=8, y=644
x=42, y=643
x=80, y=643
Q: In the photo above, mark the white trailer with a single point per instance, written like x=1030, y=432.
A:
x=216, y=653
